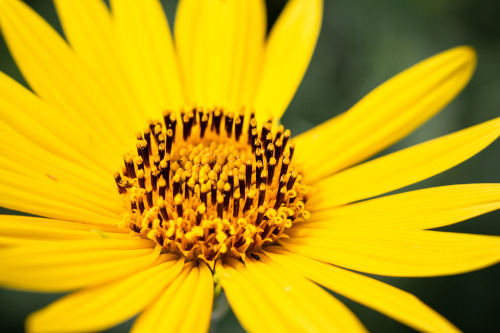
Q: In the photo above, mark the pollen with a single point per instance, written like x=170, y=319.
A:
x=207, y=184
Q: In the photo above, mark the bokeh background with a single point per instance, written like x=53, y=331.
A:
x=363, y=43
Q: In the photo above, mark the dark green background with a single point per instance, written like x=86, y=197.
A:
x=363, y=43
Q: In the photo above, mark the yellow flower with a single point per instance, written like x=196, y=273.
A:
x=160, y=173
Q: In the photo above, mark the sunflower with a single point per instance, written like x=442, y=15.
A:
x=161, y=175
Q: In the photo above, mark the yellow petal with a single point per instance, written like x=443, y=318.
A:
x=247, y=54
x=397, y=252
x=89, y=29
x=67, y=265
x=288, y=51
x=50, y=199
x=26, y=158
x=18, y=230
x=37, y=204
x=308, y=307
x=50, y=188
x=46, y=127
x=422, y=209
x=220, y=46
x=185, y=306
x=402, y=168
x=382, y=297
x=185, y=35
x=385, y=115
x=60, y=78
x=103, y=306
x=148, y=55
x=38, y=166
x=248, y=301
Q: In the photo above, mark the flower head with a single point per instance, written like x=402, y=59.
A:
x=161, y=174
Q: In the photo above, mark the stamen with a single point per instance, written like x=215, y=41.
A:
x=238, y=127
x=242, y=185
x=229, y=124
x=205, y=194
x=291, y=180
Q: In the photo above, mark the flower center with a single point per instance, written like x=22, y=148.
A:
x=203, y=187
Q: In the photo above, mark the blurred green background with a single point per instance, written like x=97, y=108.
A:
x=363, y=43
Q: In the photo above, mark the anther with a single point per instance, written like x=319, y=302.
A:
x=260, y=215
x=266, y=128
x=165, y=170
x=140, y=205
x=204, y=189
x=220, y=205
x=238, y=127
x=284, y=165
x=162, y=138
x=162, y=184
x=169, y=140
x=279, y=132
x=166, y=118
x=249, y=201
x=269, y=152
x=282, y=183
x=203, y=124
x=149, y=196
x=241, y=179
x=216, y=118
x=248, y=173
x=139, y=163
x=258, y=172
x=142, y=151
x=227, y=195
x=141, y=178
x=230, y=180
x=129, y=165
x=262, y=194
x=118, y=180
x=279, y=198
x=200, y=211
x=151, y=125
x=156, y=161
x=178, y=205
x=286, y=136
x=154, y=178
x=264, y=177
x=147, y=137
x=176, y=188
x=291, y=149
x=271, y=166
x=161, y=150
x=268, y=139
x=252, y=125
x=278, y=149
x=160, y=239
x=199, y=112
x=259, y=153
x=135, y=228
x=157, y=132
x=255, y=140
x=186, y=127
x=213, y=193
x=186, y=190
x=236, y=204
x=291, y=180
x=229, y=119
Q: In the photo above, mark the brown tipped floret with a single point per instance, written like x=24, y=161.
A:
x=197, y=190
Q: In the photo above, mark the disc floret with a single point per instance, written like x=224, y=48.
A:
x=204, y=187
